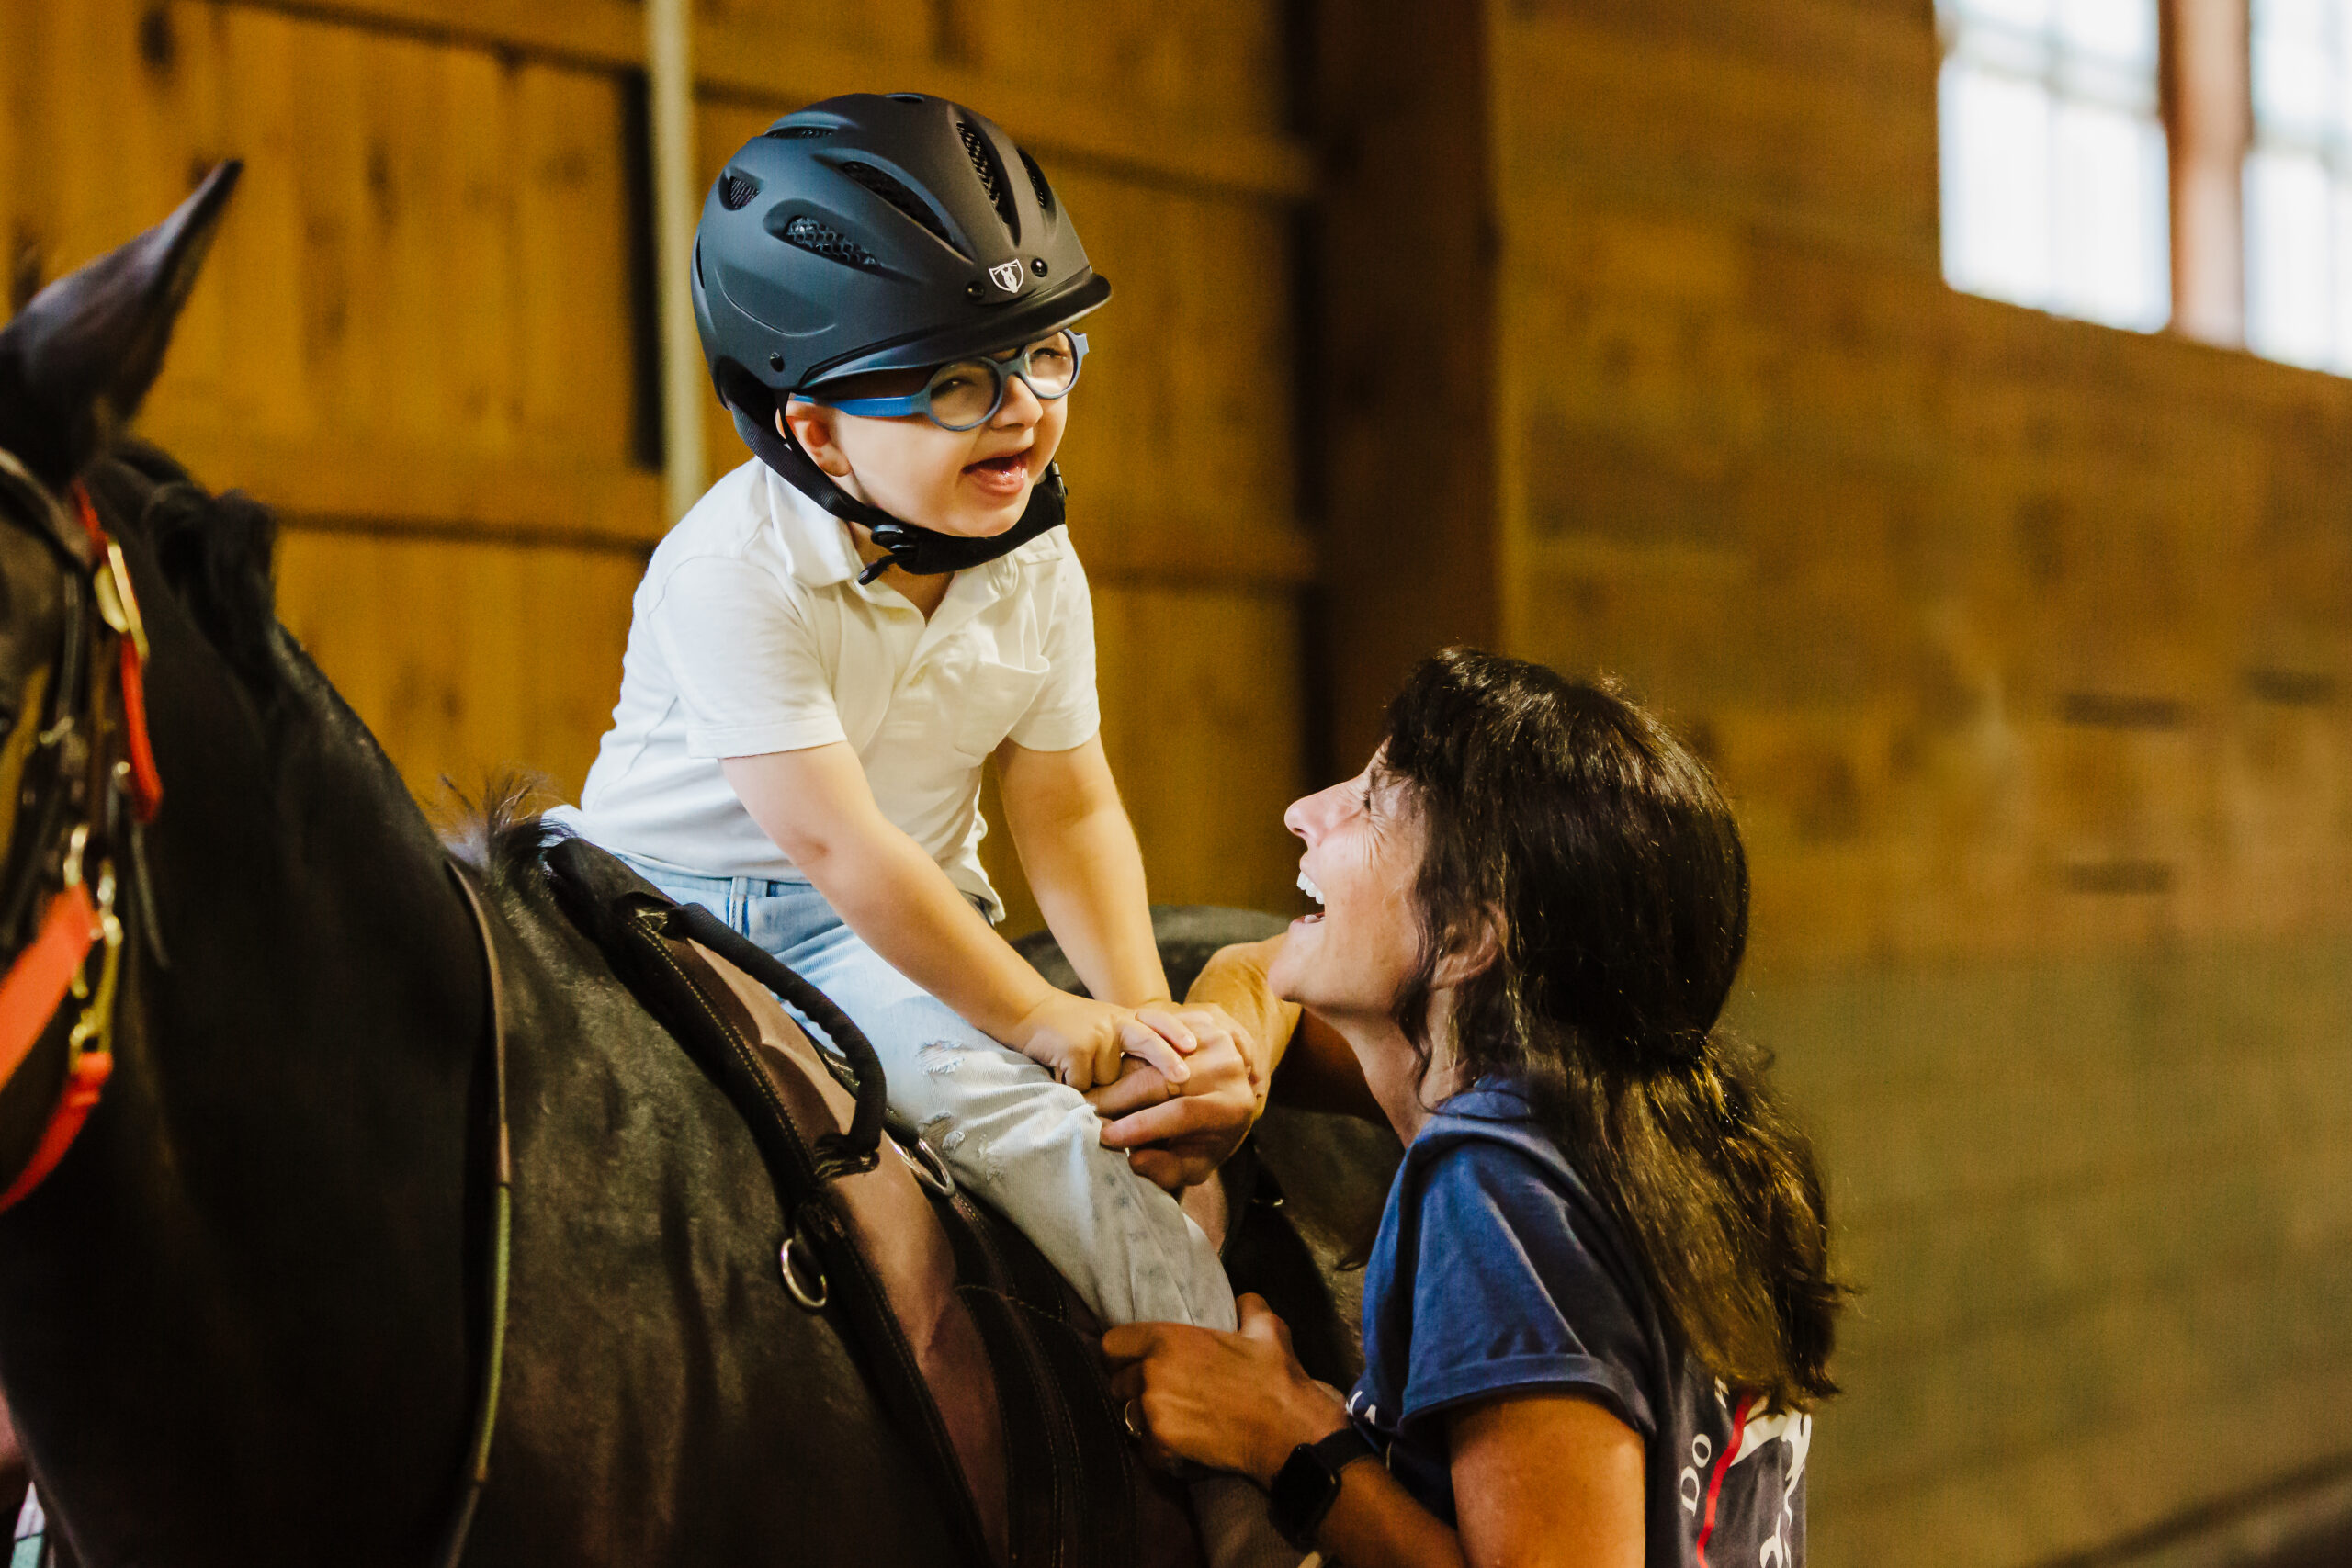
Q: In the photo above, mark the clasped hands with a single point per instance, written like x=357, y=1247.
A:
x=1177, y=1083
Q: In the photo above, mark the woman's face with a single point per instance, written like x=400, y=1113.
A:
x=1363, y=850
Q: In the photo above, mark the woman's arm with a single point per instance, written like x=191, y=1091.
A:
x=1079, y=853
x=1541, y=1480
x=1319, y=1071
x=1544, y=1480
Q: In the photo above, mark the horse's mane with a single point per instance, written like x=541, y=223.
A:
x=504, y=835
x=215, y=551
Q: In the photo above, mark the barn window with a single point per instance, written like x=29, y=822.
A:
x=2055, y=179
x=2299, y=184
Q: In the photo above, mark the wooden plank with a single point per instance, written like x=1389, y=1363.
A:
x=464, y=659
x=601, y=33
x=1202, y=719
x=419, y=305
x=757, y=56
x=388, y=485
x=1194, y=63
x=1705, y=131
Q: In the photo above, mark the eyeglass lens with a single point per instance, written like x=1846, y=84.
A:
x=967, y=391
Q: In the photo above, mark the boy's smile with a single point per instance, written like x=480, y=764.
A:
x=1006, y=474
x=974, y=482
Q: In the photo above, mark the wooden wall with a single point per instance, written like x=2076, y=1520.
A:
x=2023, y=646
x=423, y=338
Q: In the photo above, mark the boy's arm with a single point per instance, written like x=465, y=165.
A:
x=817, y=806
x=1079, y=853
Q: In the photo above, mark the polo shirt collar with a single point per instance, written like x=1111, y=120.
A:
x=818, y=543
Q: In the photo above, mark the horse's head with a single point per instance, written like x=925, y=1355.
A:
x=76, y=775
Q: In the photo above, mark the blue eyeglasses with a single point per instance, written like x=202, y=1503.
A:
x=966, y=393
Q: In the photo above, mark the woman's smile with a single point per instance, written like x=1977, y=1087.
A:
x=1307, y=885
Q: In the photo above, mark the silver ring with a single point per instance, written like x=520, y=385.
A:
x=929, y=1168
x=813, y=1299
x=1132, y=1414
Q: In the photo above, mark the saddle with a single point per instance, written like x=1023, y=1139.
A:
x=973, y=1344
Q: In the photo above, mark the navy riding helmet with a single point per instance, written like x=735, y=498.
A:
x=888, y=231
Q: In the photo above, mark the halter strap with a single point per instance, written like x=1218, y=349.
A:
x=53, y=965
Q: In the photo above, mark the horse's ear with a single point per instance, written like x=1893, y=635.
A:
x=76, y=361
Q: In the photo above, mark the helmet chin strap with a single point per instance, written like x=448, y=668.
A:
x=924, y=552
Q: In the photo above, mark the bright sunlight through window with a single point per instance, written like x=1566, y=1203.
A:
x=2298, y=185
x=2055, y=187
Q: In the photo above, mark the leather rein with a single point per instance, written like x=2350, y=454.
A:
x=85, y=771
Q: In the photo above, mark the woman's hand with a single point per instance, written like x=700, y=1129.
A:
x=1080, y=1041
x=1237, y=1402
x=1181, y=1133
x=1234, y=982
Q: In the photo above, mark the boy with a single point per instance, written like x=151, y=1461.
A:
x=827, y=648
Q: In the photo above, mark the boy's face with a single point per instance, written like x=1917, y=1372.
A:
x=974, y=482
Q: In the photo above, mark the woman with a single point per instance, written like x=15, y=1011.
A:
x=1599, y=1306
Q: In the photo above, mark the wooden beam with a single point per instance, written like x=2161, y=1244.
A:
x=2208, y=115
x=433, y=490
x=741, y=59
x=495, y=499
x=1412, y=522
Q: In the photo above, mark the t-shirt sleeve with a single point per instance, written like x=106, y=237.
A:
x=1065, y=712
x=744, y=661
x=1508, y=1297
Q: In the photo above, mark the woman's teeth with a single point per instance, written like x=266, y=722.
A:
x=1307, y=885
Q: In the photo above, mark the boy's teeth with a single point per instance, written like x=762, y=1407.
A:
x=1307, y=885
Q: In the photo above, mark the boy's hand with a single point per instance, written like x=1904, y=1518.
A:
x=1181, y=1133
x=1233, y=981
x=1080, y=1041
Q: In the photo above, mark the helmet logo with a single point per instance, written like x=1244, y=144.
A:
x=1007, y=277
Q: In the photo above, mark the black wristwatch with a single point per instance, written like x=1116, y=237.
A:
x=1308, y=1483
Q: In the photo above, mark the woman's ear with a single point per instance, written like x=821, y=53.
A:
x=1475, y=951
x=811, y=424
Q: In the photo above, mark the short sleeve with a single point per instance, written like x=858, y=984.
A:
x=746, y=666
x=1065, y=712
x=1507, y=1297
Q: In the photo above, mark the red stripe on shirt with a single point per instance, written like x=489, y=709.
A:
x=1715, y=1486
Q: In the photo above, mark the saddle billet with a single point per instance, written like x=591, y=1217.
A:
x=971, y=1343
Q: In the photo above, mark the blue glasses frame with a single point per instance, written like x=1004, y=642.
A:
x=919, y=402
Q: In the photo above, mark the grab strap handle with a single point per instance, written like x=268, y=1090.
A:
x=859, y=1146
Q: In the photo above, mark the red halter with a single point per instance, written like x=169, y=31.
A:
x=55, y=963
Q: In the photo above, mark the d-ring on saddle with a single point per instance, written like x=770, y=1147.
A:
x=973, y=1344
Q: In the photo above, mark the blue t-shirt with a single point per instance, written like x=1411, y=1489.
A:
x=1497, y=1271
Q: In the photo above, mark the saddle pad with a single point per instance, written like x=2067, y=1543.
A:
x=966, y=1335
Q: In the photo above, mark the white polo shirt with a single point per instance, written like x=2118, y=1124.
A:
x=750, y=634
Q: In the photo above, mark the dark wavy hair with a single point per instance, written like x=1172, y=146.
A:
x=1564, y=819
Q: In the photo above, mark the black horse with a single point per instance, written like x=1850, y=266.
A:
x=244, y=1320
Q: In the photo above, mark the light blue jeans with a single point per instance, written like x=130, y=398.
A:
x=1029, y=1145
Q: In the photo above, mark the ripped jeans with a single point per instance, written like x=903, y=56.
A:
x=1029, y=1145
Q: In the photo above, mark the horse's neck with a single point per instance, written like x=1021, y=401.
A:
x=256, y=1258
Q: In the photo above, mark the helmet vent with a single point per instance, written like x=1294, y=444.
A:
x=736, y=191
x=900, y=196
x=1037, y=182
x=991, y=173
x=797, y=132
x=817, y=239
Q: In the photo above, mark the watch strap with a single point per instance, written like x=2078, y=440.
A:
x=1308, y=1483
